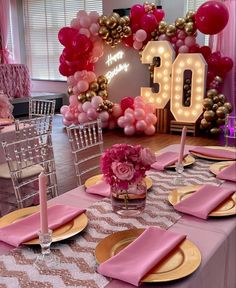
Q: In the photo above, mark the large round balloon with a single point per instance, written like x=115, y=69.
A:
x=211, y=17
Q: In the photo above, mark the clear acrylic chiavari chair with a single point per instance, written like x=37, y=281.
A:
x=87, y=147
x=26, y=159
x=33, y=127
x=39, y=107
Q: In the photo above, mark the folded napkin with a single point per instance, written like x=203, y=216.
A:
x=100, y=188
x=228, y=173
x=164, y=160
x=218, y=153
x=134, y=261
x=27, y=228
x=204, y=200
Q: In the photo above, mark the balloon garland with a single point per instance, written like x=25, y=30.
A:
x=84, y=41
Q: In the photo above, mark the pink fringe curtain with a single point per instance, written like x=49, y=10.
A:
x=4, y=30
x=225, y=42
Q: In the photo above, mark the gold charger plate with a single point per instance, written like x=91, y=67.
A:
x=226, y=208
x=219, y=166
x=215, y=158
x=93, y=180
x=183, y=261
x=65, y=231
x=6, y=121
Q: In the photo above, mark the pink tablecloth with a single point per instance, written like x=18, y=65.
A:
x=15, y=80
x=215, y=238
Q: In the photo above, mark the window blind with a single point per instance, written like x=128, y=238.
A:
x=194, y=5
x=42, y=20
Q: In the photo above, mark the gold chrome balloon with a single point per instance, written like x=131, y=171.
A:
x=205, y=124
x=162, y=27
x=94, y=86
x=102, y=20
x=189, y=28
x=127, y=20
x=220, y=122
x=170, y=30
x=190, y=16
x=209, y=115
x=216, y=99
x=211, y=93
x=215, y=131
x=127, y=31
x=214, y=107
x=207, y=103
x=179, y=23
x=69, y=91
x=101, y=79
x=103, y=32
x=111, y=22
x=103, y=94
x=121, y=21
x=221, y=112
x=228, y=106
x=221, y=98
x=115, y=15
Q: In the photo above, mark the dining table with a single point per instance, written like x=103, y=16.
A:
x=214, y=237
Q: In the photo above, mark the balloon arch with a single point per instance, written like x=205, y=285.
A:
x=84, y=41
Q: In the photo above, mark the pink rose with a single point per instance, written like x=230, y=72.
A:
x=147, y=157
x=123, y=171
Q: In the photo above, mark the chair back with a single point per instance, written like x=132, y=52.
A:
x=39, y=107
x=87, y=146
x=26, y=159
x=33, y=127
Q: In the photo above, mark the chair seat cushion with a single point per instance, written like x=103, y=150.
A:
x=26, y=172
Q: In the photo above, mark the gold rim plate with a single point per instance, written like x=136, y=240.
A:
x=226, y=208
x=93, y=180
x=65, y=231
x=188, y=160
x=215, y=158
x=216, y=168
x=6, y=121
x=182, y=261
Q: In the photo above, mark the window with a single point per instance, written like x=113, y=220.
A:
x=43, y=19
x=194, y=5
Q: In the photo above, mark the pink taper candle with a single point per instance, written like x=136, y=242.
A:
x=182, y=144
x=43, y=203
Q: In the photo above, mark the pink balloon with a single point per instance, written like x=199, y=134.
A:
x=71, y=81
x=149, y=108
x=79, y=107
x=129, y=110
x=139, y=114
x=190, y=41
x=64, y=109
x=94, y=29
x=84, y=31
x=75, y=90
x=86, y=106
x=137, y=45
x=173, y=39
x=96, y=100
x=73, y=100
x=138, y=99
x=83, y=85
x=69, y=116
x=92, y=114
x=94, y=16
x=85, y=21
x=97, y=52
x=183, y=49
x=181, y=35
x=66, y=122
x=140, y=35
x=141, y=125
x=129, y=118
x=77, y=76
x=104, y=116
x=121, y=122
x=140, y=105
x=129, y=130
x=75, y=23
x=81, y=13
x=116, y=110
x=83, y=118
x=164, y=37
x=150, y=119
x=179, y=43
x=91, y=76
x=150, y=130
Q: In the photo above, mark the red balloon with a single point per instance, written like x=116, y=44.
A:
x=159, y=14
x=128, y=41
x=66, y=35
x=148, y=22
x=62, y=59
x=127, y=102
x=90, y=67
x=211, y=17
x=82, y=44
x=194, y=49
x=65, y=69
x=134, y=27
x=213, y=62
x=210, y=76
x=136, y=12
x=226, y=64
x=206, y=51
x=70, y=54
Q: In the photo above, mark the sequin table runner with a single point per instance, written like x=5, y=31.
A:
x=77, y=266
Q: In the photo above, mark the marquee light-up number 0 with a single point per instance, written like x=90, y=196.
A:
x=170, y=78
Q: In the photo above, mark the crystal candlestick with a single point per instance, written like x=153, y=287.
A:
x=179, y=179
x=46, y=259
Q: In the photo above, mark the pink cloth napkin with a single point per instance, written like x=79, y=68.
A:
x=27, y=228
x=218, y=153
x=100, y=188
x=134, y=261
x=164, y=160
x=204, y=200
x=228, y=173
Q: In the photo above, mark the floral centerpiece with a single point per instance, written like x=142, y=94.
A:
x=123, y=164
x=124, y=168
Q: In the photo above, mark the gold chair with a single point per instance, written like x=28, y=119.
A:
x=87, y=146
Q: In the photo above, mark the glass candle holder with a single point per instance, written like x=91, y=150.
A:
x=230, y=131
x=179, y=178
x=46, y=259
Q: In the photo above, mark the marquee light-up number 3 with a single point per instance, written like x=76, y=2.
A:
x=171, y=87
